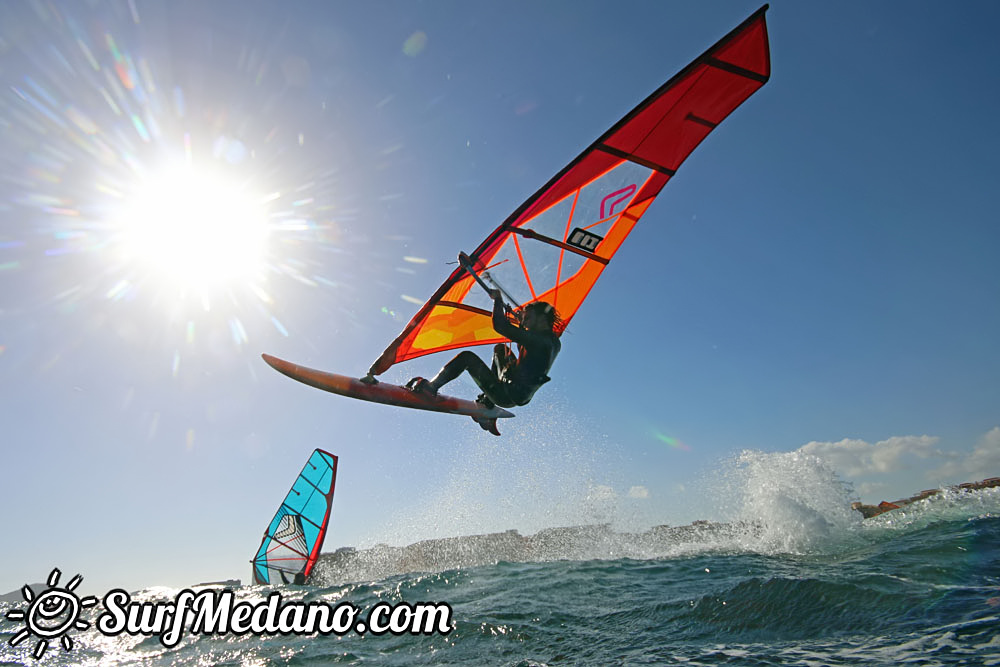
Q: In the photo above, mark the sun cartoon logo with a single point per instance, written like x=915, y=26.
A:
x=51, y=614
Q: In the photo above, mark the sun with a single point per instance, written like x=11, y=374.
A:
x=194, y=228
x=51, y=614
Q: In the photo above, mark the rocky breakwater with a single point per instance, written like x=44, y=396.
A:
x=589, y=542
x=868, y=511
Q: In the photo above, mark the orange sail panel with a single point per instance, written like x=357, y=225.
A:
x=554, y=247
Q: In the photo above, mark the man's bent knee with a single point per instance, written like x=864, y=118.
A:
x=466, y=356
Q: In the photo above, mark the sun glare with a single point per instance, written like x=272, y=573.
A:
x=195, y=229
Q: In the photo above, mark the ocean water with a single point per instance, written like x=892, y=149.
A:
x=793, y=579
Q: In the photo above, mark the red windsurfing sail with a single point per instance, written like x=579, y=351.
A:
x=554, y=247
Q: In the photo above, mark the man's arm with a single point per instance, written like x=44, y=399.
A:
x=503, y=326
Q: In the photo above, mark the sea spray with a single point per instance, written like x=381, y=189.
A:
x=794, y=502
x=552, y=474
x=507, y=498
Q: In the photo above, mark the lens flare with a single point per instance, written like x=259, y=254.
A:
x=673, y=443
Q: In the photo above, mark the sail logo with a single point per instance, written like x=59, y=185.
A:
x=51, y=614
x=617, y=197
x=584, y=240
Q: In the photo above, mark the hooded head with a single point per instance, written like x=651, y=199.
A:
x=539, y=315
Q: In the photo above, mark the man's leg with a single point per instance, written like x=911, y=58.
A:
x=463, y=361
x=481, y=374
x=503, y=359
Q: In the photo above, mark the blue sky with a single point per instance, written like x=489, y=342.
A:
x=820, y=275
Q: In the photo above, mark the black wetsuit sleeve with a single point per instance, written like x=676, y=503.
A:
x=501, y=324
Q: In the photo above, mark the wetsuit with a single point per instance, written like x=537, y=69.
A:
x=511, y=380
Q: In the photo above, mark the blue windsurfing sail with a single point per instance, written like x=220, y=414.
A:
x=292, y=541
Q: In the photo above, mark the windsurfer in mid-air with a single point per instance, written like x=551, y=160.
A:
x=512, y=380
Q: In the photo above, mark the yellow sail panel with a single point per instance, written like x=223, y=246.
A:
x=447, y=327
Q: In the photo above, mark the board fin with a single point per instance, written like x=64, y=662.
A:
x=487, y=424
